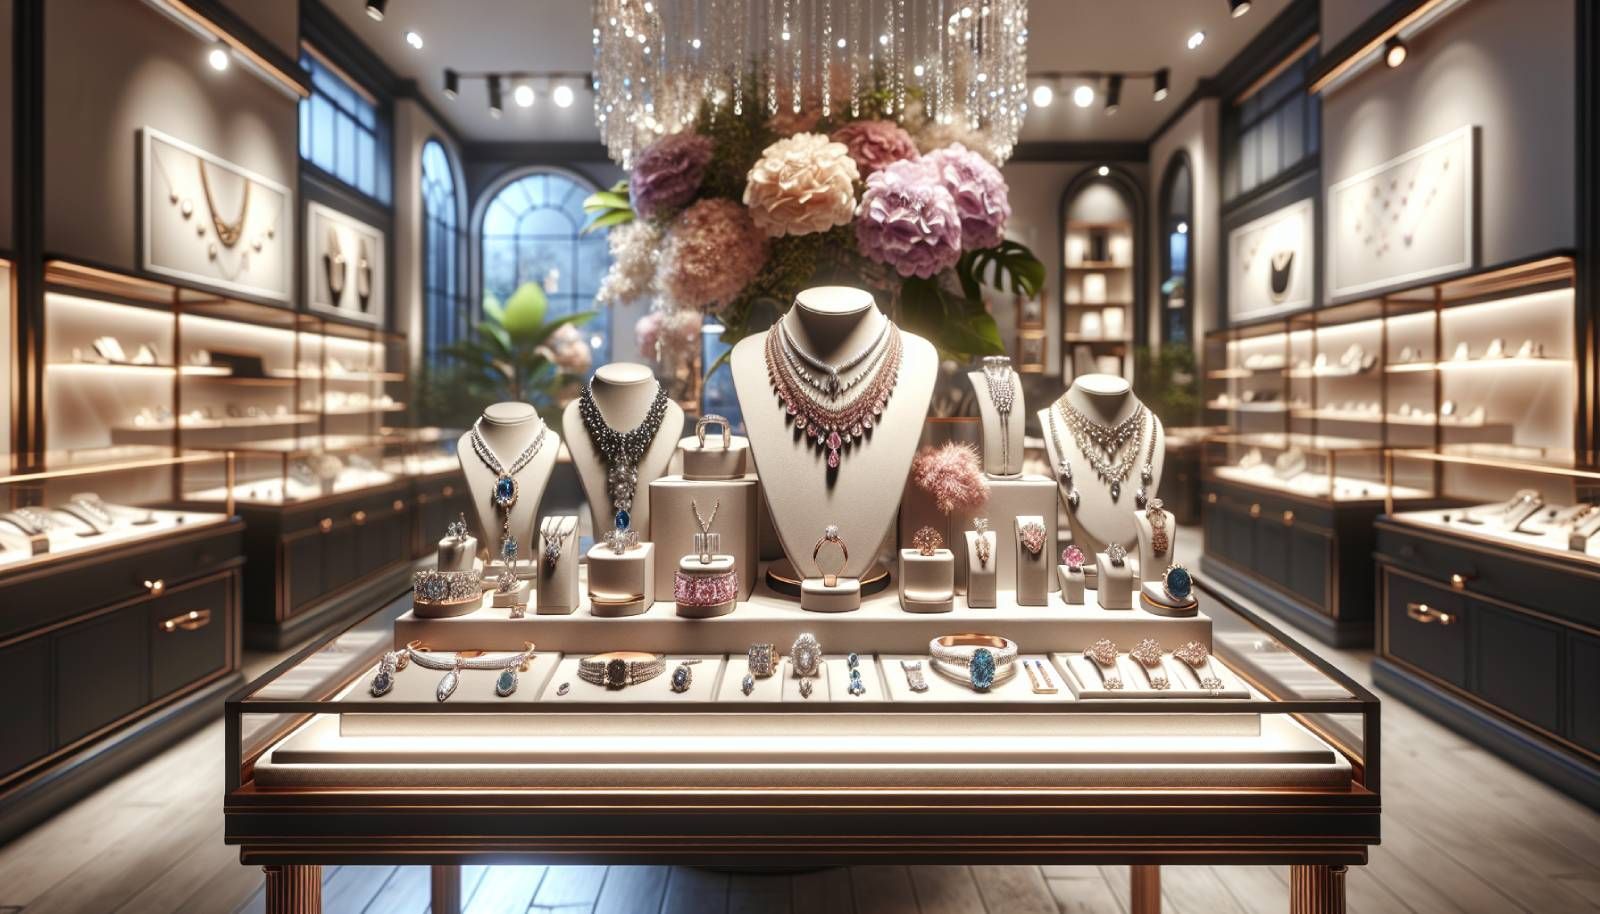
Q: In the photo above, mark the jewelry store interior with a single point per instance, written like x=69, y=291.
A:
x=800, y=455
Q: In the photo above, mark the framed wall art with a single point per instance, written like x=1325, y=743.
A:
x=1030, y=352
x=207, y=221
x=1030, y=311
x=345, y=266
x=1409, y=219
x=1271, y=263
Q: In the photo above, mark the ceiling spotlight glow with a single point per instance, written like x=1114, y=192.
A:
x=1160, y=93
x=1196, y=40
x=562, y=96
x=375, y=9
x=1043, y=95
x=1238, y=8
x=1394, y=52
x=523, y=95
x=1083, y=95
x=1103, y=170
x=218, y=57
x=415, y=40
x=1183, y=228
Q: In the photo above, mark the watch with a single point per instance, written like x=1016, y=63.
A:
x=618, y=669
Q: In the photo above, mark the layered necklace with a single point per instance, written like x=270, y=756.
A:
x=1003, y=394
x=504, y=495
x=622, y=452
x=818, y=394
x=1106, y=447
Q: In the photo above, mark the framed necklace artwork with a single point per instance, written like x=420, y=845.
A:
x=345, y=266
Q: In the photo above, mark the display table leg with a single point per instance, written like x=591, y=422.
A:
x=294, y=889
x=446, y=890
x=1316, y=889
x=1145, y=896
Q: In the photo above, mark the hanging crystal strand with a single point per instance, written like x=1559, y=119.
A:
x=769, y=64
x=736, y=21
x=902, y=59
x=826, y=58
x=853, y=49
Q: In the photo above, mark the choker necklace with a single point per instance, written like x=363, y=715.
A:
x=827, y=379
x=227, y=233
x=1100, y=444
x=997, y=377
x=504, y=495
x=622, y=452
x=834, y=425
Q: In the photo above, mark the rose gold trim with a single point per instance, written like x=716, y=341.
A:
x=1277, y=69
x=1372, y=47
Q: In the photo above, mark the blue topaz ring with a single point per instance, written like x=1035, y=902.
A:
x=713, y=419
x=979, y=661
x=1178, y=584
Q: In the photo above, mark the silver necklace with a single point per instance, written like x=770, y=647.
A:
x=828, y=382
x=504, y=496
x=553, y=531
x=1147, y=472
x=997, y=377
x=1063, y=465
x=504, y=684
x=622, y=452
x=1104, y=446
x=704, y=546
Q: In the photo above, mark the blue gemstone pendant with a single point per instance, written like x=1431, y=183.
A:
x=505, y=491
x=981, y=669
x=508, y=549
x=623, y=520
x=506, y=682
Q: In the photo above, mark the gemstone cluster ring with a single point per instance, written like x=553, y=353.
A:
x=1148, y=654
x=927, y=540
x=1032, y=534
x=1103, y=654
x=1073, y=558
x=1198, y=658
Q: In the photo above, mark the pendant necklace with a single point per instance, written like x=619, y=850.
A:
x=504, y=495
x=1002, y=393
x=1101, y=444
x=703, y=540
x=835, y=423
x=622, y=452
x=1147, y=472
x=1063, y=465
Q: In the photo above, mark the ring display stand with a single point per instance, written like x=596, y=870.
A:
x=1114, y=587
x=1032, y=581
x=1072, y=584
x=844, y=596
x=621, y=585
x=983, y=578
x=927, y=582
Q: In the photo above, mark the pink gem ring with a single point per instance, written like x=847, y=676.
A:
x=1073, y=558
x=927, y=540
x=1032, y=535
x=705, y=590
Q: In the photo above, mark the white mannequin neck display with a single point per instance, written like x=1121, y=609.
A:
x=1002, y=441
x=1100, y=520
x=623, y=391
x=862, y=496
x=508, y=428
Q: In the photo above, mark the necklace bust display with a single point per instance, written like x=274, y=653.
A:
x=507, y=457
x=1100, y=441
x=622, y=432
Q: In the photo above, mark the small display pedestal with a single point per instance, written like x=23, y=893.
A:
x=691, y=566
x=844, y=596
x=674, y=501
x=621, y=585
x=513, y=598
x=1114, y=589
x=556, y=589
x=982, y=580
x=1033, y=583
x=1072, y=584
x=1009, y=498
x=1156, y=602
x=927, y=582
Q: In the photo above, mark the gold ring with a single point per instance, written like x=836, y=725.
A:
x=830, y=534
x=713, y=419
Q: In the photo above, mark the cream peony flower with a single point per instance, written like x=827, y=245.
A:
x=801, y=185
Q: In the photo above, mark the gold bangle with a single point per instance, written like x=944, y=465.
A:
x=830, y=534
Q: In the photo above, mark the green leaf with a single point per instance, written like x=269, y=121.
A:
x=491, y=307
x=525, y=310
x=1009, y=264
x=603, y=200
x=959, y=325
x=613, y=217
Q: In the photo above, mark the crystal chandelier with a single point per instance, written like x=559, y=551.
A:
x=960, y=65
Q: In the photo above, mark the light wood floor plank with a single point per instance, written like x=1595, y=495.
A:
x=695, y=891
x=1365, y=893
x=882, y=890
x=759, y=894
x=505, y=890
x=825, y=891
x=1084, y=895
x=1197, y=890
x=408, y=892
x=353, y=888
x=1013, y=889
x=207, y=869
x=632, y=889
x=566, y=886
x=946, y=890
x=1255, y=889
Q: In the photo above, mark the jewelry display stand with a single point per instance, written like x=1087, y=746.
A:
x=1002, y=441
x=1072, y=584
x=1156, y=602
x=982, y=577
x=518, y=594
x=713, y=461
x=1098, y=520
x=1032, y=571
x=508, y=428
x=1151, y=565
x=844, y=596
x=556, y=592
x=1114, y=584
x=691, y=565
x=621, y=585
x=1084, y=681
x=1026, y=494
x=927, y=582
x=673, y=525
x=861, y=495
x=624, y=392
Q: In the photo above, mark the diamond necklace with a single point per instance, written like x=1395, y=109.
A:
x=829, y=382
x=1063, y=465
x=622, y=452
x=1101, y=445
x=833, y=426
x=504, y=495
x=997, y=377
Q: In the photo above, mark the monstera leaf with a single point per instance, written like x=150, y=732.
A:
x=959, y=325
x=1007, y=265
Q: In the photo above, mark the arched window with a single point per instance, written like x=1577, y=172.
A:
x=444, y=304
x=532, y=233
x=1177, y=246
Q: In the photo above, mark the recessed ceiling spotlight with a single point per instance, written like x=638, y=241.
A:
x=375, y=9
x=1160, y=93
x=562, y=96
x=452, y=84
x=1103, y=170
x=1043, y=95
x=1394, y=52
x=1238, y=7
x=1183, y=228
x=415, y=40
x=1083, y=95
x=1196, y=40
x=219, y=56
x=523, y=95
x=1114, y=93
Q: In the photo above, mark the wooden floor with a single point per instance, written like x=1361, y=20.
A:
x=1462, y=831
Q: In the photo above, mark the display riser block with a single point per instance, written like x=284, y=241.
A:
x=1007, y=499
x=1565, y=771
x=1330, y=631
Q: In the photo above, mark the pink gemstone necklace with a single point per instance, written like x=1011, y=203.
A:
x=835, y=424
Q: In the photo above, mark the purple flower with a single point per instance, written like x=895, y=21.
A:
x=908, y=220
x=668, y=173
x=979, y=192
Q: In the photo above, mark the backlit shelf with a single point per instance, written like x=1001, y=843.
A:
x=1248, y=407
x=126, y=368
x=1458, y=364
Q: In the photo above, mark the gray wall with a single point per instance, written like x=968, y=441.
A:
x=5, y=133
x=113, y=66
x=1508, y=68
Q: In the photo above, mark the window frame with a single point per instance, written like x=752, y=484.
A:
x=452, y=293
x=371, y=120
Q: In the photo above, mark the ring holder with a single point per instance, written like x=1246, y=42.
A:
x=1114, y=587
x=983, y=578
x=927, y=581
x=1072, y=584
x=621, y=584
x=1032, y=567
x=841, y=596
x=712, y=457
x=556, y=591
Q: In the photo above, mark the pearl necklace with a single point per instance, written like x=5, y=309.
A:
x=622, y=452
x=833, y=426
x=504, y=495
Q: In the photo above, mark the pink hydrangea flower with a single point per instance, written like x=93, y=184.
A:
x=908, y=220
x=875, y=144
x=668, y=173
x=713, y=251
x=979, y=192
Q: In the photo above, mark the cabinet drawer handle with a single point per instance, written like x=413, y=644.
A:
x=1427, y=615
x=1255, y=511
x=325, y=525
x=358, y=517
x=156, y=587
x=1211, y=498
x=449, y=491
x=398, y=505
x=1458, y=581
x=1288, y=518
x=193, y=620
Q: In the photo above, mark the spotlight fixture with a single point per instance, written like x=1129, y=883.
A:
x=1394, y=52
x=1183, y=228
x=414, y=39
x=375, y=9
x=219, y=56
x=1103, y=170
x=1160, y=93
x=1196, y=40
x=523, y=95
x=452, y=84
x=1043, y=95
x=1238, y=7
x=562, y=95
x=1083, y=95
x=1114, y=93
x=495, y=106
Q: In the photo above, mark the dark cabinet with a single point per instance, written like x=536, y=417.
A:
x=1425, y=627
x=190, y=633
x=1518, y=662
x=24, y=672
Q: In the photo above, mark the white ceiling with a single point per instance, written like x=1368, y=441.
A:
x=547, y=35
